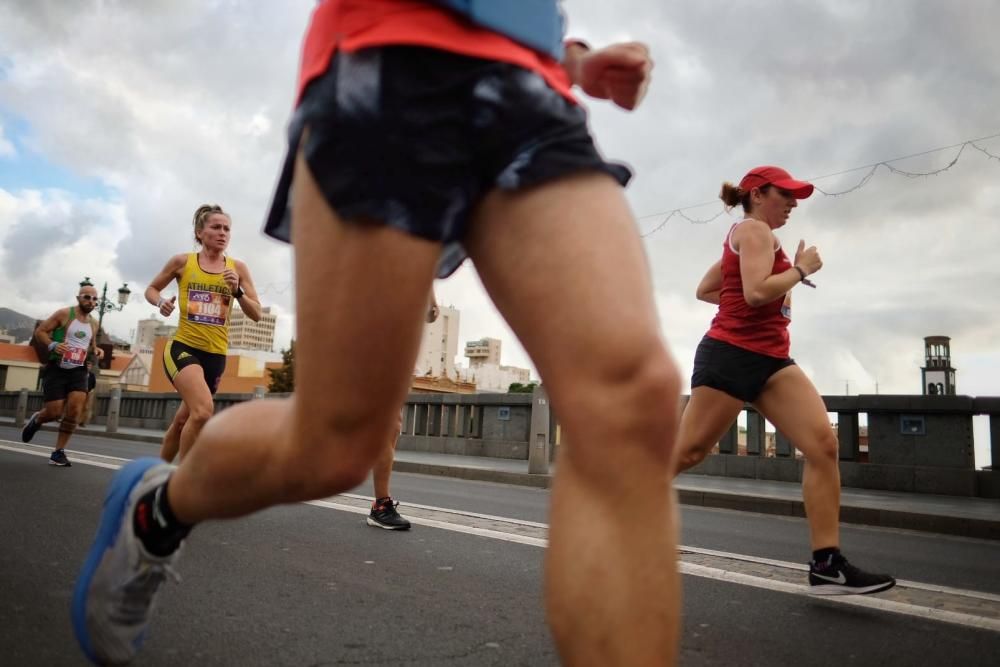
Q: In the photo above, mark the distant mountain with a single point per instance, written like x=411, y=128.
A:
x=18, y=325
x=21, y=326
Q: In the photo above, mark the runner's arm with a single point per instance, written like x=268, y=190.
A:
x=44, y=331
x=620, y=72
x=249, y=302
x=97, y=351
x=433, y=311
x=755, y=243
x=710, y=288
x=170, y=272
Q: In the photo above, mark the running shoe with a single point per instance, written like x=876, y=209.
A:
x=116, y=590
x=30, y=429
x=384, y=515
x=58, y=458
x=838, y=577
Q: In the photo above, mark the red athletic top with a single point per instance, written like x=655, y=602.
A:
x=762, y=329
x=352, y=25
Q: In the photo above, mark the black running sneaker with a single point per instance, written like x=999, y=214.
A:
x=384, y=515
x=30, y=429
x=58, y=458
x=838, y=577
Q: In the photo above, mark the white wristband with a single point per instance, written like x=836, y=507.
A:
x=53, y=345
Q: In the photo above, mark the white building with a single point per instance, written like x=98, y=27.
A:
x=439, y=345
x=136, y=373
x=485, y=369
x=146, y=333
x=245, y=334
x=493, y=377
x=483, y=351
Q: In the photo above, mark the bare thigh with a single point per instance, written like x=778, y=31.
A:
x=707, y=417
x=566, y=268
x=190, y=384
x=790, y=402
x=361, y=294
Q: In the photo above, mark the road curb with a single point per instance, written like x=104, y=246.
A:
x=864, y=516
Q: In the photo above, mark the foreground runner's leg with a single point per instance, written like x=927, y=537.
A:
x=566, y=268
x=262, y=453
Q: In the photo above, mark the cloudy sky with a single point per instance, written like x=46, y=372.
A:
x=117, y=119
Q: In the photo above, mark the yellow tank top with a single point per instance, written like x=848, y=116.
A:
x=205, y=304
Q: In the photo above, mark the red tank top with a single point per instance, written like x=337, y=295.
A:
x=762, y=329
x=352, y=25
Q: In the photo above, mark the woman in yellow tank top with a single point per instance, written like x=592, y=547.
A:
x=208, y=282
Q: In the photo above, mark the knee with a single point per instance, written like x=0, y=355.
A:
x=637, y=403
x=330, y=455
x=180, y=420
x=308, y=478
x=199, y=414
x=691, y=456
x=826, y=450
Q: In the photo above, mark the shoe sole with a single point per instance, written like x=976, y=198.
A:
x=107, y=532
x=67, y=464
x=837, y=589
x=373, y=522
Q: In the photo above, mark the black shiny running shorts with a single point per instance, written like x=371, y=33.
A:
x=734, y=370
x=415, y=137
x=177, y=355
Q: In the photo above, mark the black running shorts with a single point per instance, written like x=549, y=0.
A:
x=58, y=383
x=177, y=355
x=734, y=370
x=415, y=137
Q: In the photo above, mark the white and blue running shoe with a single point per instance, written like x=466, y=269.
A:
x=116, y=590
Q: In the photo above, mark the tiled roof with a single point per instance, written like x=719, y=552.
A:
x=12, y=352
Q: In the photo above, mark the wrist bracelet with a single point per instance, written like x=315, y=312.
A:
x=53, y=345
x=803, y=280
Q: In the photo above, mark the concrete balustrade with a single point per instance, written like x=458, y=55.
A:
x=921, y=444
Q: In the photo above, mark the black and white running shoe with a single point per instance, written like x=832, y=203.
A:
x=836, y=576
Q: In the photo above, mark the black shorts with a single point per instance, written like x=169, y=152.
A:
x=57, y=383
x=414, y=138
x=177, y=355
x=734, y=370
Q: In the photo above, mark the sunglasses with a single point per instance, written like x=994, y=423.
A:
x=86, y=297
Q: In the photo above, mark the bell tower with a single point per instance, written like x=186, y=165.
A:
x=937, y=374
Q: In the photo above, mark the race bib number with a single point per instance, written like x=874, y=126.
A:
x=205, y=307
x=74, y=356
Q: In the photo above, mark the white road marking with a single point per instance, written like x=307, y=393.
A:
x=691, y=569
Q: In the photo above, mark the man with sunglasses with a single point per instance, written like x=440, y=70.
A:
x=70, y=335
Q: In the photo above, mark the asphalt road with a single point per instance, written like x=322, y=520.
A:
x=313, y=585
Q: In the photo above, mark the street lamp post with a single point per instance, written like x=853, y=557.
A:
x=104, y=304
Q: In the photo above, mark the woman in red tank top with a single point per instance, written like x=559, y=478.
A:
x=744, y=358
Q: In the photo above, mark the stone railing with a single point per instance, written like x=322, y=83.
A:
x=920, y=444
